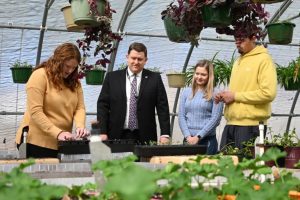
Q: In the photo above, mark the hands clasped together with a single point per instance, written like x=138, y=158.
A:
x=225, y=96
x=80, y=133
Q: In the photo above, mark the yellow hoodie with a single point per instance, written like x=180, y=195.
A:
x=253, y=80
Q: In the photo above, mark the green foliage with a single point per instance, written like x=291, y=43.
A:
x=189, y=180
x=288, y=74
x=222, y=71
x=290, y=139
x=80, y=191
x=126, y=180
x=19, y=64
x=20, y=186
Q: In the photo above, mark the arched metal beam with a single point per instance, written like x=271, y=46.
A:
x=48, y=4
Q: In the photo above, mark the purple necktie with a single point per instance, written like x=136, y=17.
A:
x=132, y=121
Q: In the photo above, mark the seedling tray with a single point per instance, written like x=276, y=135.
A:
x=168, y=150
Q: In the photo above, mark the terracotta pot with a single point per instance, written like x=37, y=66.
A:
x=294, y=195
x=292, y=157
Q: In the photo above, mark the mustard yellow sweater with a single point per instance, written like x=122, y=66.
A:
x=253, y=80
x=50, y=111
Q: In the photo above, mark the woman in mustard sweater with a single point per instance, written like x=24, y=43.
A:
x=54, y=102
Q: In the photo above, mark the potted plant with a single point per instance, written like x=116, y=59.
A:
x=183, y=22
x=21, y=71
x=87, y=12
x=69, y=21
x=267, y=1
x=188, y=18
x=289, y=76
x=273, y=141
x=94, y=74
x=277, y=36
x=104, y=38
x=176, y=79
x=291, y=144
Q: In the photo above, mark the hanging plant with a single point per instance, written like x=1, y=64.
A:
x=244, y=17
x=102, y=35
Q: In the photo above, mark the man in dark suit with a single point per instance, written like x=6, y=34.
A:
x=127, y=102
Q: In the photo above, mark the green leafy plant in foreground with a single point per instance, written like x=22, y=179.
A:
x=19, y=185
x=126, y=180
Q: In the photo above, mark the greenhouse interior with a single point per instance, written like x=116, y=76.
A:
x=170, y=171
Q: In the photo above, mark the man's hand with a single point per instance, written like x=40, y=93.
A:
x=164, y=140
x=103, y=137
x=228, y=97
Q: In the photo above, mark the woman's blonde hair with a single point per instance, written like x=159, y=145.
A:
x=55, y=64
x=208, y=89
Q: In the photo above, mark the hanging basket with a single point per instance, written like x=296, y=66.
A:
x=267, y=1
x=292, y=85
x=176, y=80
x=174, y=32
x=21, y=74
x=280, y=33
x=94, y=77
x=81, y=12
x=70, y=25
x=219, y=16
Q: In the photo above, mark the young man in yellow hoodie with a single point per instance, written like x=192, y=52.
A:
x=252, y=88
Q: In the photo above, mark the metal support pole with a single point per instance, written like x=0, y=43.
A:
x=178, y=90
x=42, y=31
x=135, y=8
x=291, y=113
x=120, y=29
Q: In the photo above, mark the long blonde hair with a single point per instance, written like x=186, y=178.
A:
x=208, y=89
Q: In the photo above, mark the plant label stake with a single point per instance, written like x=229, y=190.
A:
x=261, y=147
x=22, y=149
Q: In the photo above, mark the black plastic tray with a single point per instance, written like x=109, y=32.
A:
x=82, y=146
x=168, y=150
x=118, y=146
x=74, y=147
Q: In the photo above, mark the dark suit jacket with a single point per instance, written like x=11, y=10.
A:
x=112, y=103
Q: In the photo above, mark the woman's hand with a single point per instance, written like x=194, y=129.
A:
x=81, y=133
x=192, y=139
x=65, y=135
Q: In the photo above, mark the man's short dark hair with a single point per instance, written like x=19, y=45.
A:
x=139, y=47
